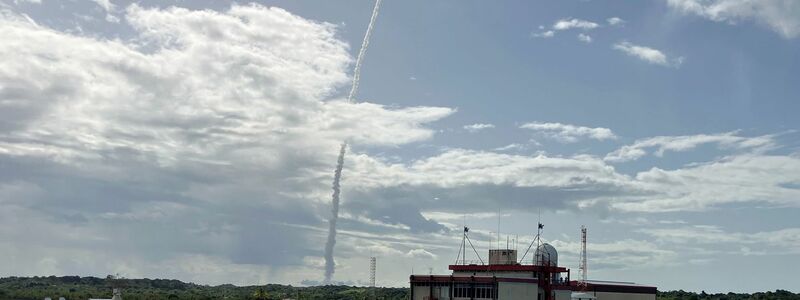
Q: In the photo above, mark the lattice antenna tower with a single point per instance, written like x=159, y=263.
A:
x=372, y=261
x=583, y=266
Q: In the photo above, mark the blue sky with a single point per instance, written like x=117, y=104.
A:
x=197, y=139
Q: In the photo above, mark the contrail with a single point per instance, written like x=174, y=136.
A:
x=330, y=266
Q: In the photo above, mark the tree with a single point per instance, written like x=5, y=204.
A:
x=260, y=294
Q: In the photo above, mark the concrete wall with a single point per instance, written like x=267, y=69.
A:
x=421, y=292
x=563, y=294
x=502, y=257
x=517, y=291
x=527, y=291
x=623, y=296
x=439, y=292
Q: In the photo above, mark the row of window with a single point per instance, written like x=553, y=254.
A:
x=480, y=291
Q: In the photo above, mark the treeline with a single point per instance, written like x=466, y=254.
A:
x=682, y=295
x=82, y=288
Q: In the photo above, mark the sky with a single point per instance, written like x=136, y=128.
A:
x=196, y=140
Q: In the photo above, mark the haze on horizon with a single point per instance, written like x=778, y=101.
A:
x=196, y=140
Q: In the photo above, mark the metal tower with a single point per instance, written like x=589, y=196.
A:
x=372, y=271
x=583, y=267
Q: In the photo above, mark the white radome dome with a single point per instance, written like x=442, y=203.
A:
x=546, y=254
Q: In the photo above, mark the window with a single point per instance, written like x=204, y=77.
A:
x=484, y=292
x=462, y=291
x=480, y=291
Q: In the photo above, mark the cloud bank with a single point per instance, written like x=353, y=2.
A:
x=232, y=116
x=206, y=141
x=781, y=16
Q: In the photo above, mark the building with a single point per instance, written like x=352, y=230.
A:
x=505, y=278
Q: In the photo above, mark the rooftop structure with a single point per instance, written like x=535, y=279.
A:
x=505, y=277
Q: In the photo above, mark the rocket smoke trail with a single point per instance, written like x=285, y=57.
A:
x=337, y=175
x=329, y=264
x=363, y=51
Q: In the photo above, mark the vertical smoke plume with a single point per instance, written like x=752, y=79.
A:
x=330, y=266
x=337, y=175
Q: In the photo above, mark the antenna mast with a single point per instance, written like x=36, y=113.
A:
x=536, y=240
x=372, y=272
x=462, y=252
x=583, y=267
x=498, y=226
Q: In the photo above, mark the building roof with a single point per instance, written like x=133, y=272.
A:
x=506, y=268
x=607, y=282
x=472, y=279
x=614, y=286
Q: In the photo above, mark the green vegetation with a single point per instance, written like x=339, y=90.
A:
x=75, y=287
x=681, y=295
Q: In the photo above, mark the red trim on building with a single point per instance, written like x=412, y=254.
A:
x=506, y=268
x=572, y=285
x=469, y=279
x=615, y=288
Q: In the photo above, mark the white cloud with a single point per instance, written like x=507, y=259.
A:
x=569, y=133
x=111, y=18
x=672, y=245
x=512, y=146
x=619, y=255
x=463, y=168
x=566, y=24
x=420, y=254
x=782, y=241
x=437, y=182
x=274, y=91
x=650, y=55
x=782, y=16
x=219, y=130
x=584, y=38
x=615, y=21
x=105, y=4
x=463, y=181
x=109, y=8
x=450, y=217
x=478, y=127
x=688, y=142
x=735, y=179
x=544, y=34
x=231, y=115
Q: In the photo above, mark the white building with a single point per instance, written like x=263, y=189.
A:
x=503, y=278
